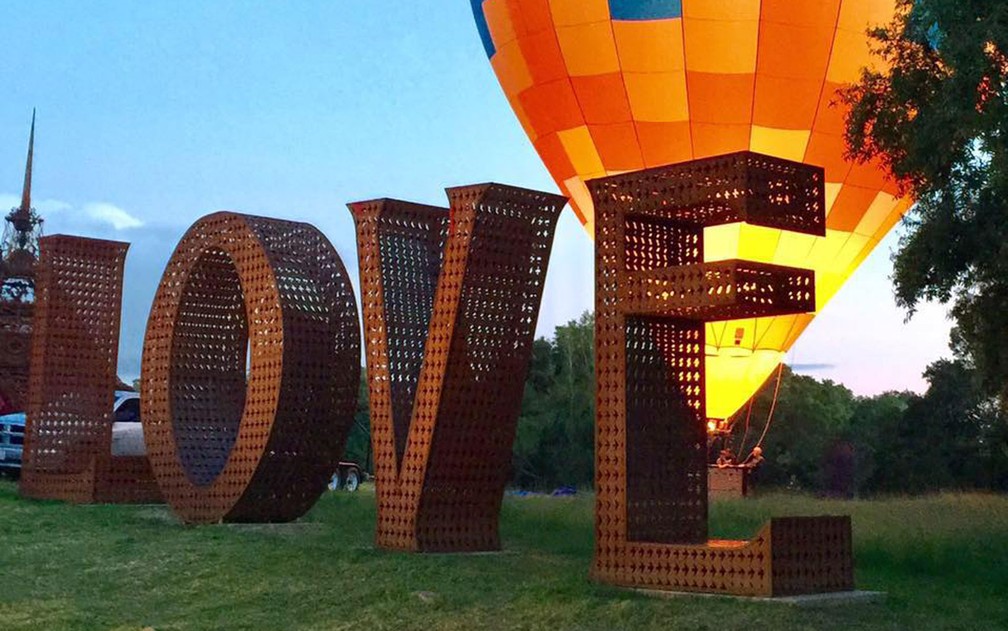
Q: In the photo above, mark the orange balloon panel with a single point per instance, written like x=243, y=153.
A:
x=608, y=86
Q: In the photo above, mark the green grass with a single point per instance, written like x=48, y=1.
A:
x=943, y=561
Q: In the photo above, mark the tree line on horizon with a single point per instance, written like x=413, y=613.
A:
x=952, y=437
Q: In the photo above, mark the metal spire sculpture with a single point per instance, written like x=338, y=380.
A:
x=19, y=252
x=19, y=249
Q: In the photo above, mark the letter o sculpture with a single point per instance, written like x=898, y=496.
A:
x=265, y=298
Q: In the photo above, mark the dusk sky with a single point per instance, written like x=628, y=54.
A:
x=152, y=114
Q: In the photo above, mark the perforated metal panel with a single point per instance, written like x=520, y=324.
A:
x=811, y=554
x=738, y=187
x=68, y=433
x=15, y=348
x=265, y=298
x=653, y=296
x=448, y=348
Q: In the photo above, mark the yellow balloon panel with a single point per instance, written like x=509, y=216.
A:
x=608, y=86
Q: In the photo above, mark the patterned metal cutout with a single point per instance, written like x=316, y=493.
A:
x=15, y=349
x=265, y=298
x=449, y=316
x=68, y=433
x=739, y=187
x=653, y=296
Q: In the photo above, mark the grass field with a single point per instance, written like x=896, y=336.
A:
x=943, y=561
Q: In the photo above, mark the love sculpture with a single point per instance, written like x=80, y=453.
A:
x=252, y=357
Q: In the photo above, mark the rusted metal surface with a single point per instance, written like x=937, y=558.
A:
x=68, y=434
x=449, y=318
x=653, y=295
x=811, y=555
x=739, y=187
x=15, y=349
x=717, y=291
x=269, y=298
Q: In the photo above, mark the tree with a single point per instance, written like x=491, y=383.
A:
x=358, y=444
x=955, y=436
x=874, y=427
x=937, y=117
x=952, y=437
x=808, y=417
x=555, y=441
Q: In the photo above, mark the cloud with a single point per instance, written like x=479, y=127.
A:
x=99, y=212
x=43, y=206
x=113, y=215
x=49, y=206
x=811, y=367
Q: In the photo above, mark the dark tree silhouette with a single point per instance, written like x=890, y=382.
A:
x=938, y=117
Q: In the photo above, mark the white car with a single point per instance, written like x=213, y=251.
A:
x=127, y=430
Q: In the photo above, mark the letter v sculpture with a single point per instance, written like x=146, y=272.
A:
x=450, y=301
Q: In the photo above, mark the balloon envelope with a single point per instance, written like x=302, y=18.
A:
x=607, y=86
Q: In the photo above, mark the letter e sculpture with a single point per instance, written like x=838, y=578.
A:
x=653, y=295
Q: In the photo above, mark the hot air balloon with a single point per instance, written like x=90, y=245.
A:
x=603, y=87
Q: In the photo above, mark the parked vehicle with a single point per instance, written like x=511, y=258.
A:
x=348, y=477
x=12, y=429
x=127, y=432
